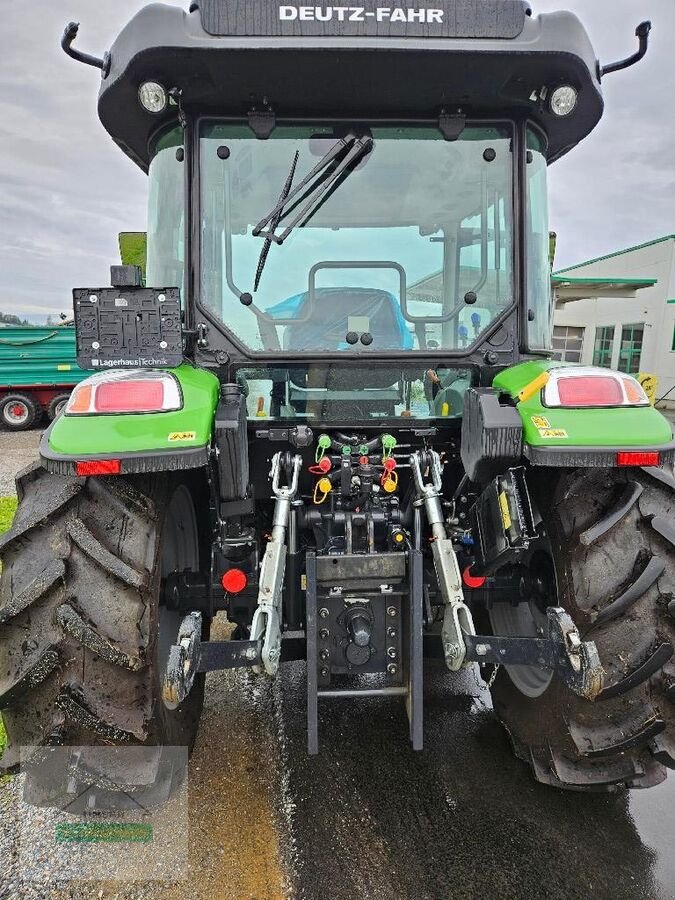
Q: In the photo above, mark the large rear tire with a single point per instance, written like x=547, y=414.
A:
x=84, y=635
x=612, y=545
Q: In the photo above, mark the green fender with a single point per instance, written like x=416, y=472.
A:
x=565, y=436
x=144, y=442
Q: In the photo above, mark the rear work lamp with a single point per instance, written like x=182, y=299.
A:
x=116, y=393
x=592, y=386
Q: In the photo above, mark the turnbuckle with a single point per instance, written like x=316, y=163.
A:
x=266, y=624
x=457, y=619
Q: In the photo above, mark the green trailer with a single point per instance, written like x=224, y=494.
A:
x=38, y=370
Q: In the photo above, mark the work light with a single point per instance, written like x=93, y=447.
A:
x=564, y=100
x=153, y=97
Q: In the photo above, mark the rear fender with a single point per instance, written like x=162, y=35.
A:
x=142, y=442
x=579, y=437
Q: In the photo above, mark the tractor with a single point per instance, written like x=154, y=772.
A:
x=327, y=405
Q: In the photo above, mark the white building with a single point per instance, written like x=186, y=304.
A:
x=619, y=311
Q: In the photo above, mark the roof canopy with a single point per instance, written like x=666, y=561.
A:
x=567, y=290
x=485, y=57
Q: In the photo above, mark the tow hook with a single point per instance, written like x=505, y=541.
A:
x=190, y=655
x=574, y=661
x=183, y=662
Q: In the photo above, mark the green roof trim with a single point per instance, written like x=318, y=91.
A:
x=561, y=279
x=589, y=262
x=670, y=301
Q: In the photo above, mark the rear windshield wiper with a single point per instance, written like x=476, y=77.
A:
x=315, y=189
x=274, y=221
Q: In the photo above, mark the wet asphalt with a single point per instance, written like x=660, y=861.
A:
x=369, y=818
x=460, y=819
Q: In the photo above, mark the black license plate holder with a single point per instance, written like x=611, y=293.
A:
x=131, y=327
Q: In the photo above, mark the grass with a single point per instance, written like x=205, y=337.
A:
x=7, y=510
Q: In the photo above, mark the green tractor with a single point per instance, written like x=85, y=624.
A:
x=327, y=406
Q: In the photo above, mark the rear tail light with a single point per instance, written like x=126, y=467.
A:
x=591, y=391
x=638, y=458
x=136, y=391
x=590, y=386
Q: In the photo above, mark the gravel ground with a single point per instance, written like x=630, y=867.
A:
x=17, y=450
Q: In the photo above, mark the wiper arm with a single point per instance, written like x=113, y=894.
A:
x=316, y=194
x=274, y=221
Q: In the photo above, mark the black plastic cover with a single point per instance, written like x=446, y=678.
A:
x=232, y=443
x=371, y=74
x=492, y=435
x=128, y=328
x=502, y=522
x=449, y=19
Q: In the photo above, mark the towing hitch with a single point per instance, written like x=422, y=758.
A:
x=574, y=661
x=190, y=656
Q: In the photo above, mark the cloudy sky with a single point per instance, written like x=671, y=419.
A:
x=66, y=191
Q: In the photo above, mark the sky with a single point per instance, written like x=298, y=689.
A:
x=66, y=190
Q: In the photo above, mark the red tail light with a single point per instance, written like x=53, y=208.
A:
x=234, y=581
x=129, y=396
x=594, y=390
x=638, y=458
x=114, y=393
x=591, y=386
x=98, y=467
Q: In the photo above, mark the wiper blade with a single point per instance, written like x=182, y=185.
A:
x=274, y=221
x=317, y=193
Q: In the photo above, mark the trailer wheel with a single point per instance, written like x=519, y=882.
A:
x=84, y=635
x=612, y=561
x=19, y=412
x=57, y=405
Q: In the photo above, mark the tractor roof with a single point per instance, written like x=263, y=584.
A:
x=407, y=60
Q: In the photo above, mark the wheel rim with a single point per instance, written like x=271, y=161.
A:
x=179, y=551
x=528, y=619
x=524, y=620
x=16, y=412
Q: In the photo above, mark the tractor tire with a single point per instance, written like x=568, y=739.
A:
x=84, y=637
x=612, y=548
x=19, y=412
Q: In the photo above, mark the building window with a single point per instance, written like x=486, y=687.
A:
x=631, y=348
x=567, y=343
x=604, y=346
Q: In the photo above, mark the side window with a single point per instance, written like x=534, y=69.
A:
x=630, y=353
x=166, y=214
x=539, y=302
x=604, y=346
x=567, y=343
